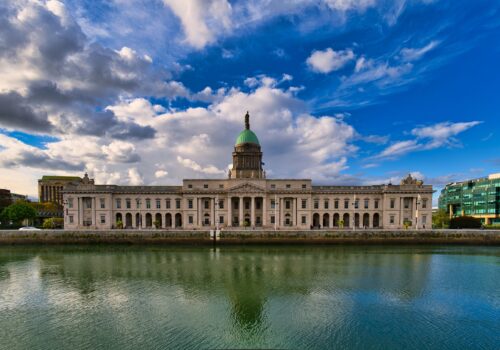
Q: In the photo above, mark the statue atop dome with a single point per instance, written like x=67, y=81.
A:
x=247, y=121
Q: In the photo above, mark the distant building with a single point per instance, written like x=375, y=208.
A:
x=50, y=187
x=479, y=198
x=247, y=198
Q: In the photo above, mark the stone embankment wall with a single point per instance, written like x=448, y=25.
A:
x=479, y=237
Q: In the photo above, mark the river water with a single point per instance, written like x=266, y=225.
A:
x=352, y=297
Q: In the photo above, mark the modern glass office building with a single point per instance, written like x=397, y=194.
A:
x=479, y=198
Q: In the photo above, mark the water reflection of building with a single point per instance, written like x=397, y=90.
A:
x=248, y=277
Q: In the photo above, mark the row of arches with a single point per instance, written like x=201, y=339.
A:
x=346, y=220
x=169, y=220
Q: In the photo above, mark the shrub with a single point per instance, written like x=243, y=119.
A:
x=465, y=222
x=119, y=224
x=18, y=212
x=52, y=223
x=157, y=224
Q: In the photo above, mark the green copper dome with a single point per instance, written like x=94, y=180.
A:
x=247, y=136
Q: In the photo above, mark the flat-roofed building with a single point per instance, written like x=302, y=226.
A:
x=50, y=187
x=479, y=198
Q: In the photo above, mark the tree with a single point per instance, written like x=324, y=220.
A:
x=441, y=219
x=20, y=211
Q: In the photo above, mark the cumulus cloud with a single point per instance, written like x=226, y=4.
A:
x=160, y=173
x=121, y=152
x=191, y=164
x=135, y=177
x=329, y=60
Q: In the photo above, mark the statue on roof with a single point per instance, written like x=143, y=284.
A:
x=410, y=180
x=247, y=121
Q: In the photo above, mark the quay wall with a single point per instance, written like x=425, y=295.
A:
x=475, y=237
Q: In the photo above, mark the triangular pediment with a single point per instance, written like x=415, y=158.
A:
x=246, y=187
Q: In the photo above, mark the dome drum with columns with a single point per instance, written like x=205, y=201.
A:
x=248, y=198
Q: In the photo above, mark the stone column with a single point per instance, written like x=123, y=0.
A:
x=241, y=211
x=198, y=211
x=414, y=212
x=229, y=211
x=94, y=219
x=80, y=211
x=252, y=212
x=294, y=212
x=280, y=224
x=401, y=205
x=213, y=222
x=264, y=211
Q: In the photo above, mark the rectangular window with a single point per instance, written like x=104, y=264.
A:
x=391, y=219
x=177, y=203
x=424, y=204
x=71, y=219
x=70, y=203
x=190, y=204
x=102, y=201
x=247, y=205
x=393, y=203
x=356, y=204
x=129, y=204
x=288, y=185
x=273, y=204
x=367, y=203
x=304, y=186
x=424, y=219
x=190, y=219
x=138, y=203
x=88, y=203
x=118, y=203
x=158, y=204
x=221, y=204
x=190, y=186
x=304, y=219
x=205, y=186
x=336, y=204
x=257, y=205
x=148, y=203
x=407, y=203
x=273, y=220
x=221, y=219
x=316, y=204
x=221, y=186
x=304, y=204
x=375, y=204
x=326, y=204
x=206, y=204
x=346, y=203
x=273, y=186
x=103, y=219
x=167, y=203
x=287, y=204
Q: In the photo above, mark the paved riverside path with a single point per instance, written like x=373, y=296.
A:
x=249, y=236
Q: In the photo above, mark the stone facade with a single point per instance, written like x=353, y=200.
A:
x=247, y=198
x=50, y=187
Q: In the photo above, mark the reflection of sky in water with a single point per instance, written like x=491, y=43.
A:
x=129, y=297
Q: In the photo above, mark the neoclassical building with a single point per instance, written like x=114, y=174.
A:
x=247, y=198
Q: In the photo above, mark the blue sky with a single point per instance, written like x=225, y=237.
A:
x=340, y=91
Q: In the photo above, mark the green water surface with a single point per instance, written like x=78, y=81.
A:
x=129, y=297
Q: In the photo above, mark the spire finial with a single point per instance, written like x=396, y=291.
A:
x=247, y=121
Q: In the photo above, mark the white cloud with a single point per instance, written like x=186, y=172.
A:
x=329, y=60
x=414, y=54
x=121, y=152
x=191, y=164
x=427, y=138
x=160, y=173
x=202, y=19
x=135, y=177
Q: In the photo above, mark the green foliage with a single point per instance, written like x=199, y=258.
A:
x=341, y=223
x=465, y=222
x=20, y=211
x=53, y=223
x=119, y=224
x=157, y=223
x=441, y=219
